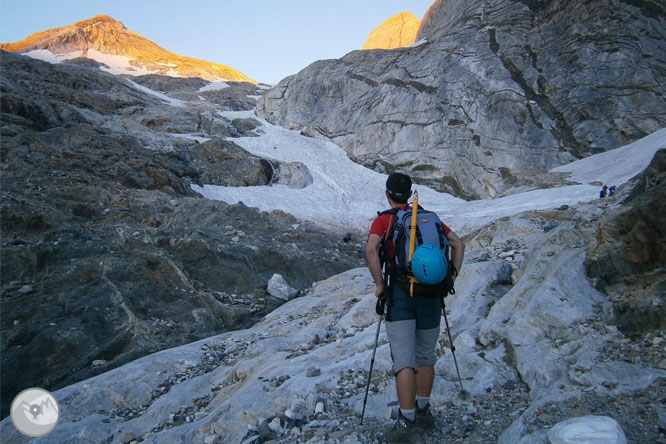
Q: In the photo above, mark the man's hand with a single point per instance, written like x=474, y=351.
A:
x=379, y=290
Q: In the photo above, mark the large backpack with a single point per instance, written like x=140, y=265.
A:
x=429, y=230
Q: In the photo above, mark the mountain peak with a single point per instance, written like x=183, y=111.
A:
x=97, y=20
x=396, y=32
x=102, y=37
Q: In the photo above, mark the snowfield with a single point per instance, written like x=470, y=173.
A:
x=346, y=196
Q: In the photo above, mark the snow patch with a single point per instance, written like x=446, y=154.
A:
x=114, y=64
x=169, y=100
x=231, y=115
x=47, y=56
x=191, y=137
x=214, y=86
x=617, y=166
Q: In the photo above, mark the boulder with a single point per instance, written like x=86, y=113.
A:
x=587, y=430
x=278, y=288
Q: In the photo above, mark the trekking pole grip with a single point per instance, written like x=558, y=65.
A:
x=379, y=306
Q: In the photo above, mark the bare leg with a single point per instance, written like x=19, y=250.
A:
x=405, y=382
x=424, y=381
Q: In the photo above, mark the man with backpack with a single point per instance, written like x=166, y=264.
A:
x=412, y=317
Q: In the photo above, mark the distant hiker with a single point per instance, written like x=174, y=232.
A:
x=611, y=190
x=602, y=193
x=412, y=322
x=347, y=238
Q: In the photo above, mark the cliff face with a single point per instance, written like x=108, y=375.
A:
x=502, y=91
x=108, y=36
x=396, y=32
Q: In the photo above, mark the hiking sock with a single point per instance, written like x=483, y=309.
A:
x=422, y=403
x=409, y=414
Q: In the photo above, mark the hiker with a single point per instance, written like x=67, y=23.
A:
x=412, y=323
x=347, y=238
x=602, y=193
x=611, y=190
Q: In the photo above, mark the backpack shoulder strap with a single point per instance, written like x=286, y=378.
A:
x=389, y=211
x=392, y=212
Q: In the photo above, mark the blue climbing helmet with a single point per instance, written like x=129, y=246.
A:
x=429, y=265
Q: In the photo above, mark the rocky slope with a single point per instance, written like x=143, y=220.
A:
x=99, y=223
x=102, y=36
x=536, y=343
x=395, y=32
x=502, y=91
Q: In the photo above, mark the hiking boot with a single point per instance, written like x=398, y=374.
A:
x=402, y=432
x=424, y=419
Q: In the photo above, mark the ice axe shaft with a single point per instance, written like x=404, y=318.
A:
x=412, y=240
x=412, y=227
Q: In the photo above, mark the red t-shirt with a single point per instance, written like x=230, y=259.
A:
x=382, y=224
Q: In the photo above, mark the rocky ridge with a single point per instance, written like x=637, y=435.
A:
x=107, y=36
x=501, y=92
x=99, y=222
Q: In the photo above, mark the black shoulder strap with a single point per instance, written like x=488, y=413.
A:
x=383, y=246
x=389, y=211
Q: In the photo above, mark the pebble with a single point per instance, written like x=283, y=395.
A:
x=275, y=425
x=312, y=372
x=25, y=289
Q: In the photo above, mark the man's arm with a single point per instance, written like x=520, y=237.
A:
x=374, y=264
x=457, y=250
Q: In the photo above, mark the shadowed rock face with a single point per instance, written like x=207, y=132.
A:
x=107, y=254
x=629, y=255
x=501, y=92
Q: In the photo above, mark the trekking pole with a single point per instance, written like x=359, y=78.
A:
x=380, y=310
x=463, y=393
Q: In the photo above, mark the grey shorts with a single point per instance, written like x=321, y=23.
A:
x=402, y=307
x=411, y=347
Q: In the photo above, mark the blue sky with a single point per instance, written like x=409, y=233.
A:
x=265, y=39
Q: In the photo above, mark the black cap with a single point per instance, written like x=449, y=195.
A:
x=399, y=185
